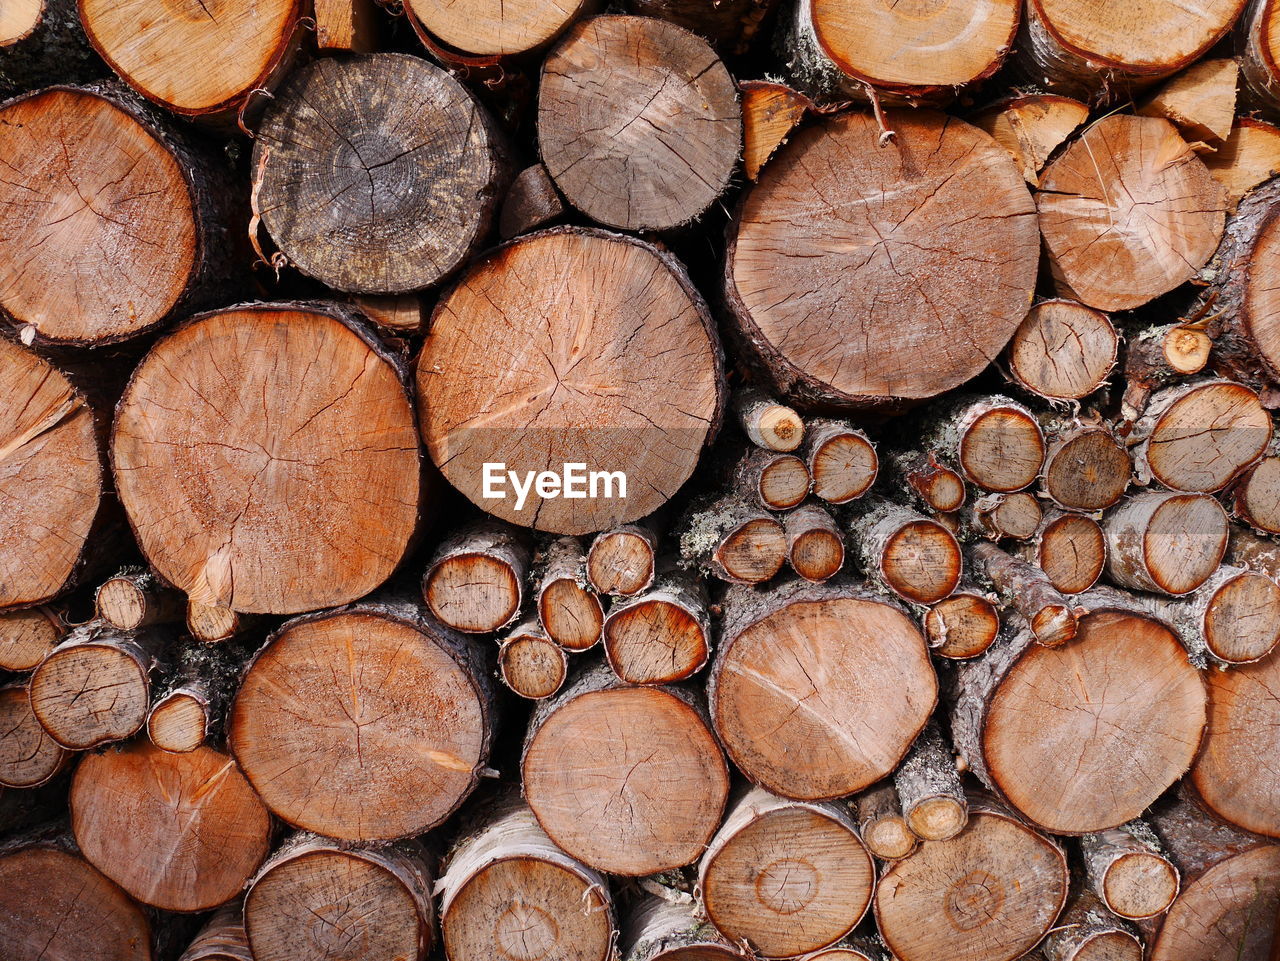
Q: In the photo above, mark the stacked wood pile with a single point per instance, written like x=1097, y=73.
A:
x=751, y=479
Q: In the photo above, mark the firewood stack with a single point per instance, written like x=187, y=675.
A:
x=758, y=479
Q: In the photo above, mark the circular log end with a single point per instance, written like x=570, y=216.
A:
x=27, y=637
x=493, y=28
x=209, y=623
x=844, y=468
x=1208, y=436
x=473, y=592
x=962, y=626
x=121, y=603
x=1087, y=472
x=755, y=552
x=28, y=755
x=1063, y=350
x=890, y=838
x=1242, y=620
x=784, y=483
x=1257, y=499
x=1184, y=542
x=179, y=723
x=620, y=562
x=19, y=19
x=1109, y=946
x=780, y=428
x=1054, y=625
x=571, y=615
x=655, y=641
x=1138, y=885
x=1072, y=552
x=1002, y=450
x=938, y=819
x=1229, y=911
x=532, y=666
x=1017, y=516
x=817, y=555
x=90, y=694
x=922, y=562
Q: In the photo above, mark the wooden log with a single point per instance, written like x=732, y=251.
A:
x=622, y=560
x=815, y=545
x=173, y=234
x=1256, y=45
x=531, y=202
x=211, y=624
x=1096, y=53
x=785, y=877
x=988, y=894
x=29, y=757
x=56, y=906
x=662, y=930
x=1128, y=212
x=777, y=482
x=1230, y=775
x=27, y=637
x=800, y=688
x=606, y=74
x=1159, y=356
x=1031, y=127
x=766, y=422
x=923, y=54
x=398, y=314
x=729, y=26
x=770, y=111
x=1071, y=549
x=389, y=217
x=315, y=503
x=1087, y=931
x=881, y=825
x=1233, y=618
x=925, y=479
x=1247, y=549
x=492, y=30
x=1052, y=617
x=191, y=709
x=1201, y=435
x=993, y=441
x=507, y=891
x=222, y=938
x=318, y=898
x=42, y=42
x=1165, y=542
x=1062, y=351
x=1200, y=102
x=569, y=611
x=396, y=712
x=631, y=304
x=1085, y=467
x=801, y=250
x=1228, y=904
x=1015, y=516
x=531, y=664
x=929, y=788
x=733, y=540
x=52, y=487
x=854, y=948
x=134, y=598
x=666, y=778
x=1255, y=497
x=1105, y=764
x=475, y=580
x=841, y=459
x=663, y=635
x=1129, y=870
x=911, y=555
x=177, y=57
x=350, y=25
x=963, y=625
x=1247, y=158
x=131, y=808
x=95, y=686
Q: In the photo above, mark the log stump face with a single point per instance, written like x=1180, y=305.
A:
x=192, y=56
x=360, y=727
x=98, y=236
x=269, y=487
x=376, y=174
x=182, y=832
x=1228, y=912
x=819, y=699
x=26, y=636
x=638, y=122
x=55, y=906
x=50, y=474
x=1126, y=709
x=1072, y=553
x=28, y=755
x=1207, y=437
x=92, y=694
x=811, y=245
x=666, y=800
x=988, y=894
x=1087, y=472
x=1232, y=773
x=494, y=28
x=570, y=346
x=19, y=19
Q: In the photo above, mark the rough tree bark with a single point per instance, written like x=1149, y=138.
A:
x=623, y=375
x=281, y=472
x=730, y=25
x=396, y=711
x=222, y=938
x=1053, y=618
x=805, y=247
x=662, y=930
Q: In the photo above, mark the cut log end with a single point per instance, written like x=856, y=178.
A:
x=1256, y=498
x=29, y=757
x=1242, y=619
x=769, y=424
x=783, y=482
x=921, y=562
x=532, y=666
x=178, y=723
x=490, y=29
x=1086, y=469
x=938, y=819
x=1001, y=448
x=962, y=626
x=1072, y=552
x=815, y=545
x=770, y=111
x=1165, y=542
x=1201, y=437
x=1063, y=350
x=1249, y=156
x=210, y=623
x=475, y=593
x=753, y=552
x=622, y=561
x=880, y=822
x=842, y=462
x=660, y=637
x=1140, y=885
x=27, y=637
x=92, y=691
x=1031, y=127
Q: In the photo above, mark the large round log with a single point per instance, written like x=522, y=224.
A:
x=56, y=906
x=576, y=356
x=988, y=894
x=638, y=122
x=365, y=724
x=1125, y=706
x=628, y=780
x=320, y=900
x=182, y=832
x=111, y=221
x=818, y=691
x=51, y=479
x=279, y=471
x=177, y=55
x=377, y=173
x=1128, y=212
x=952, y=251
